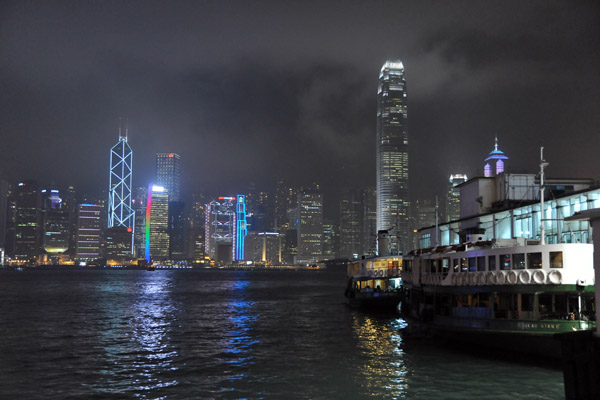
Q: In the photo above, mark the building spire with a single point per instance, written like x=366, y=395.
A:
x=126, y=127
x=120, y=127
x=496, y=145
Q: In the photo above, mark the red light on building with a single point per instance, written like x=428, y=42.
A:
x=129, y=230
x=170, y=155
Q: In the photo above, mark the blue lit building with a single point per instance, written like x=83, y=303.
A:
x=496, y=156
x=120, y=212
x=225, y=229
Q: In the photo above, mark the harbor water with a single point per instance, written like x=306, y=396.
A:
x=226, y=334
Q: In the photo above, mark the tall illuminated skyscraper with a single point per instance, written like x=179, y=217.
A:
x=157, y=223
x=393, y=202
x=120, y=212
x=168, y=166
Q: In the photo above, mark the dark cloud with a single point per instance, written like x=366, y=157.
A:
x=253, y=91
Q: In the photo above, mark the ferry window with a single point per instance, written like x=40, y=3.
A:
x=526, y=302
x=545, y=305
x=445, y=266
x=491, y=263
x=519, y=261
x=505, y=262
x=472, y=264
x=481, y=263
x=408, y=265
x=455, y=264
x=463, y=264
x=534, y=260
x=556, y=259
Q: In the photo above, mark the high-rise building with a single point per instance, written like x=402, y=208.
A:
x=168, y=167
x=157, y=223
x=140, y=196
x=4, y=191
x=350, y=224
x=496, y=156
x=453, y=199
x=55, y=223
x=225, y=229
x=393, y=203
x=309, y=227
x=120, y=212
x=88, y=232
x=196, y=232
x=118, y=244
x=176, y=230
x=28, y=221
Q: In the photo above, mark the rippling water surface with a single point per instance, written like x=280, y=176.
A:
x=227, y=334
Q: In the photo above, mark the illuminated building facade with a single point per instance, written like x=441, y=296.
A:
x=28, y=221
x=157, y=223
x=55, y=223
x=176, y=228
x=453, y=199
x=120, y=212
x=225, y=229
x=118, y=243
x=309, y=227
x=140, y=196
x=496, y=157
x=168, y=167
x=393, y=203
x=88, y=232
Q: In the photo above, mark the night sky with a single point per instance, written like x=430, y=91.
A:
x=252, y=91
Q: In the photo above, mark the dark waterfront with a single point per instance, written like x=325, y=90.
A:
x=206, y=334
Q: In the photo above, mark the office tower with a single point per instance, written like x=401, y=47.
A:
x=157, y=223
x=196, y=232
x=138, y=203
x=310, y=226
x=285, y=199
x=350, y=224
x=118, y=244
x=55, y=224
x=88, y=232
x=225, y=229
x=393, y=203
x=497, y=156
x=453, y=199
x=120, y=212
x=176, y=230
x=368, y=226
x=167, y=173
x=330, y=242
x=4, y=192
x=28, y=221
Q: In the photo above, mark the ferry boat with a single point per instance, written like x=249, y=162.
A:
x=502, y=293
x=375, y=283
x=513, y=294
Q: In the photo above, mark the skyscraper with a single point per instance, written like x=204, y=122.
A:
x=393, y=202
x=120, y=212
x=157, y=223
x=167, y=173
x=88, y=232
x=453, y=199
x=28, y=221
x=310, y=226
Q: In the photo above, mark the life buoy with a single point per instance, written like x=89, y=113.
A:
x=453, y=280
x=524, y=277
x=490, y=279
x=473, y=278
x=481, y=278
x=500, y=278
x=539, y=276
x=554, y=277
x=511, y=277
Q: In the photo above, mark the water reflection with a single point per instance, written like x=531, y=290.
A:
x=237, y=340
x=136, y=335
x=382, y=369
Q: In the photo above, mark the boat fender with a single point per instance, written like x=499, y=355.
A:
x=500, y=277
x=524, y=277
x=554, y=277
x=481, y=278
x=511, y=277
x=539, y=277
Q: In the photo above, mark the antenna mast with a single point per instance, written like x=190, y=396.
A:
x=543, y=164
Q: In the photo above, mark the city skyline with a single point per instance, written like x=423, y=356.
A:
x=241, y=98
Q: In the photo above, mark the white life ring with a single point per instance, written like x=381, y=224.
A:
x=481, y=278
x=473, y=278
x=500, y=277
x=524, y=277
x=511, y=277
x=554, y=277
x=539, y=277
